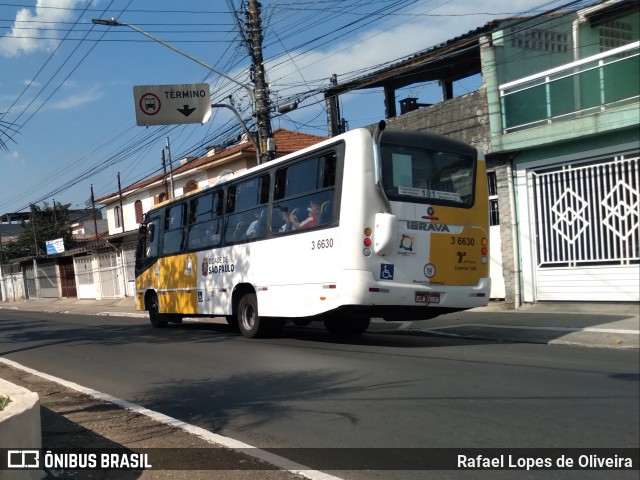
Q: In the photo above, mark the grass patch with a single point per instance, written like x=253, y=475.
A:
x=4, y=401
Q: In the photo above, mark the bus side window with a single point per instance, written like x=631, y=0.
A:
x=304, y=192
x=205, y=224
x=174, y=223
x=245, y=218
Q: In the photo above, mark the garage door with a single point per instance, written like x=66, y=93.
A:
x=586, y=221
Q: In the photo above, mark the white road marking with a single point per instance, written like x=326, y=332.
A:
x=525, y=327
x=205, y=435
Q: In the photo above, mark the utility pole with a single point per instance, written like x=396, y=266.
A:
x=121, y=207
x=95, y=221
x=261, y=90
x=335, y=125
x=173, y=191
x=164, y=176
x=33, y=228
x=55, y=220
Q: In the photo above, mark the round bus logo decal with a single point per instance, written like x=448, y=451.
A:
x=429, y=270
x=149, y=104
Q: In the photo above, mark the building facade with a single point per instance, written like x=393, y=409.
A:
x=557, y=114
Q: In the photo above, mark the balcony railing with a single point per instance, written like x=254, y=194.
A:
x=588, y=86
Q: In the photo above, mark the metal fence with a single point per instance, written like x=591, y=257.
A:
x=585, y=87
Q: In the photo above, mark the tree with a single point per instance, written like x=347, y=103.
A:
x=45, y=223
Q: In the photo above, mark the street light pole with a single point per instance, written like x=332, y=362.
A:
x=114, y=23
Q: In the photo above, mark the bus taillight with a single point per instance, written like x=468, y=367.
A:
x=484, y=251
x=367, y=242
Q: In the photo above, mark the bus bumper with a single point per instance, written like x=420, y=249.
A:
x=413, y=299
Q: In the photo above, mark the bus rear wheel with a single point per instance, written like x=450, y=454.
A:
x=155, y=317
x=251, y=324
x=347, y=326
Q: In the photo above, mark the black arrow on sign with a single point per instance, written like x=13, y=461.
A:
x=185, y=110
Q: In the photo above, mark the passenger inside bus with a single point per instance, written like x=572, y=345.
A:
x=286, y=225
x=310, y=221
x=253, y=226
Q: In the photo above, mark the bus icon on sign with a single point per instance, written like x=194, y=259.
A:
x=149, y=104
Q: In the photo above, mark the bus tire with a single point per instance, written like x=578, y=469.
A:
x=155, y=317
x=347, y=326
x=251, y=324
x=249, y=321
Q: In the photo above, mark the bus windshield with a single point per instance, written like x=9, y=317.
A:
x=423, y=175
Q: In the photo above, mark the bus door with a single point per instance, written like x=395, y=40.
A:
x=178, y=271
x=147, y=266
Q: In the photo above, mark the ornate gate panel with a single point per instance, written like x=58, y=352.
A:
x=586, y=223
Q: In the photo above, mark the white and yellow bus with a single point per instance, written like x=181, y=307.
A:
x=391, y=225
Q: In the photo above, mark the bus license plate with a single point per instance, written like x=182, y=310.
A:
x=427, y=297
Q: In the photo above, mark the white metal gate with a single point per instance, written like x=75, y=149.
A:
x=129, y=259
x=83, y=267
x=109, y=275
x=586, y=221
x=48, y=279
x=30, y=281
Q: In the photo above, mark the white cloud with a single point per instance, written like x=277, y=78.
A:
x=405, y=36
x=401, y=36
x=77, y=99
x=10, y=158
x=31, y=27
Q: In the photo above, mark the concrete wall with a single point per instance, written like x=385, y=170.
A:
x=12, y=287
x=465, y=118
x=20, y=427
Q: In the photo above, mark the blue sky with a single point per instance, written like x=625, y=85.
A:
x=66, y=86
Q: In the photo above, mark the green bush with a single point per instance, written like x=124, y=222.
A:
x=4, y=401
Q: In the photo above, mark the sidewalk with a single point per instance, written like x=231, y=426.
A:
x=610, y=325
x=604, y=325
x=119, y=307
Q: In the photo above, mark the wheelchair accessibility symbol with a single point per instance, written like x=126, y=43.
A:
x=386, y=271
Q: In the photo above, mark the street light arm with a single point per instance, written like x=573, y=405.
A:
x=114, y=23
x=244, y=127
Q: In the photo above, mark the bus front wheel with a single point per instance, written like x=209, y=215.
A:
x=251, y=324
x=347, y=326
x=155, y=317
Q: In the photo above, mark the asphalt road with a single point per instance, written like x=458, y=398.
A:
x=307, y=389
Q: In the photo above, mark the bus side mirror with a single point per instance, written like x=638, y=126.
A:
x=384, y=235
